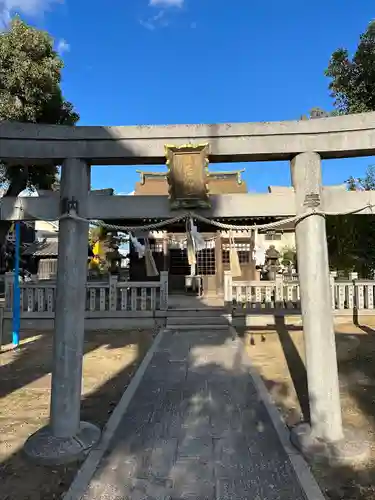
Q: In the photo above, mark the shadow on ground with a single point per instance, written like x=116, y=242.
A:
x=196, y=429
x=357, y=386
x=21, y=479
x=31, y=361
x=202, y=399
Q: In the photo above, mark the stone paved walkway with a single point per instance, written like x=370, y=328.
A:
x=195, y=429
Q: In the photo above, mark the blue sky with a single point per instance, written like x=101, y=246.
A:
x=195, y=61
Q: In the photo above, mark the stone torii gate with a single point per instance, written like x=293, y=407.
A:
x=303, y=143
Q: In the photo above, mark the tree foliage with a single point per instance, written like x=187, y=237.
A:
x=351, y=238
x=30, y=76
x=109, y=245
x=353, y=79
x=288, y=256
x=315, y=113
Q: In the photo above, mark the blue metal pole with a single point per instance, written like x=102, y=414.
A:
x=16, y=288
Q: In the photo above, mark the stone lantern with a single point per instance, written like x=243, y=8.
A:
x=272, y=264
x=113, y=255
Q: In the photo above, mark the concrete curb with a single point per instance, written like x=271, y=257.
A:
x=83, y=477
x=304, y=475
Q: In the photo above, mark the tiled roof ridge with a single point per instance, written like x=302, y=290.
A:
x=224, y=174
x=211, y=173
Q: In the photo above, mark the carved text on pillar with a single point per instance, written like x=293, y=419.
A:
x=67, y=205
x=312, y=200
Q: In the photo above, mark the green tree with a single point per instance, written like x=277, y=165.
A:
x=30, y=76
x=109, y=245
x=352, y=83
x=315, y=113
x=352, y=79
x=366, y=183
x=351, y=238
x=288, y=256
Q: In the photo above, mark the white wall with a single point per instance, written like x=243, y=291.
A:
x=43, y=225
x=287, y=240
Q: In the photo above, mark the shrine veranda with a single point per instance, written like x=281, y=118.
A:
x=188, y=149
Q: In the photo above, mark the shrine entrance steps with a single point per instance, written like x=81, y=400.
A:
x=207, y=318
x=185, y=301
x=194, y=424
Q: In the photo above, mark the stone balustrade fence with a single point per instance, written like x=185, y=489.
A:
x=112, y=297
x=346, y=294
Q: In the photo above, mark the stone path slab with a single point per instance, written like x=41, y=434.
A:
x=196, y=429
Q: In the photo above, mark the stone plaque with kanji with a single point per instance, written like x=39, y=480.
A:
x=187, y=176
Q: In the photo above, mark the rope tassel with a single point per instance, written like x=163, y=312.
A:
x=235, y=267
x=151, y=269
x=139, y=248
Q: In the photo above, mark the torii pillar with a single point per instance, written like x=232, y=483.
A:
x=317, y=314
x=324, y=436
x=66, y=438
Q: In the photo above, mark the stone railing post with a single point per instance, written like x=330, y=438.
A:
x=8, y=284
x=358, y=292
x=163, y=290
x=279, y=290
x=352, y=291
x=113, y=280
x=228, y=288
x=332, y=277
x=316, y=304
x=67, y=438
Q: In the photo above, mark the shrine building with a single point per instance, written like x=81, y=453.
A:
x=169, y=246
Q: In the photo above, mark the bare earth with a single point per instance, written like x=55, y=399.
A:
x=111, y=358
x=279, y=354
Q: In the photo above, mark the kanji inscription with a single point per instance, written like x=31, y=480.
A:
x=187, y=176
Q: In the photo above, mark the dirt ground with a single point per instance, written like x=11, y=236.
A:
x=111, y=358
x=279, y=356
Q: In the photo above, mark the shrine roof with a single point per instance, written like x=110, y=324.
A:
x=46, y=248
x=219, y=182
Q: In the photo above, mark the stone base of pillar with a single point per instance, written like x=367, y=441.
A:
x=46, y=449
x=352, y=450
